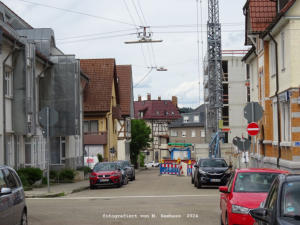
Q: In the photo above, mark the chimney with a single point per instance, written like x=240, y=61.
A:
x=174, y=100
x=149, y=97
x=139, y=98
x=159, y=98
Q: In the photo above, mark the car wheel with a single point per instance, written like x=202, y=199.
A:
x=199, y=184
x=92, y=186
x=192, y=179
x=195, y=183
x=125, y=180
x=119, y=184
x=24, y=220
x=133, y=178
x=226, y=220
x=221, y=221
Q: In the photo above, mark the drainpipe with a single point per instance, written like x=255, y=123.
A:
x=277, y=97
x=4, y=108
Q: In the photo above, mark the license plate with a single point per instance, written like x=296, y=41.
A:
x=215, y=180
x=103, y=180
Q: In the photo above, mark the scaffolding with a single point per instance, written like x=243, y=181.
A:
x=215, y=76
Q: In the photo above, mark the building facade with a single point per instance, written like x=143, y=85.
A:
x=158, y=114
x=235, y=95
x=272, y=63
x=31, y=79
x=124, y=73
x=101, y=108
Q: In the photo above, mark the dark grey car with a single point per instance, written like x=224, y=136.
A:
x=13, y=210
x=128, y=168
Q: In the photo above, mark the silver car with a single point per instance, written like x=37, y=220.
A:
x=13, y=210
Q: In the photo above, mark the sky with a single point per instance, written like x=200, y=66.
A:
x=99, y=29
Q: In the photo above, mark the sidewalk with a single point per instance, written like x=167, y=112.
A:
x=57, y=190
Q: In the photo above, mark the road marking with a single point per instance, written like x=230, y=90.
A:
x=119, y=197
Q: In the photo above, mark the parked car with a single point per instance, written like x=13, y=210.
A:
x=211, y=171
x=282, y=205
x=128, y=168
x=152, y=164
x=106, y=174
x=245, y=190
x=13, y=209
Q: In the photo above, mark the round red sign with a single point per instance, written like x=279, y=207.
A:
x=253, y=129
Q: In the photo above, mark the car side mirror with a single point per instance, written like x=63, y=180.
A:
x=196, y=166
x=224, y=189
x=5, y=191
x=259, y=214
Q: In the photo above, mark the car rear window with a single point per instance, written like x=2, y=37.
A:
x=105, y=167
x=254, y=182
x=213, y=163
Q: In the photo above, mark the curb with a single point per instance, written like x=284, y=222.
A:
x=57, y=194
x=47, y=195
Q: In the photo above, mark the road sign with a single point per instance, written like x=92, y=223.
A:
x=253, y=129
x=253, y=112
x=53, y=117
x=243, y=144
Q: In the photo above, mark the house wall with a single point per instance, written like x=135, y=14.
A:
x=5, y=51
x=237, y=92
x=188, y=139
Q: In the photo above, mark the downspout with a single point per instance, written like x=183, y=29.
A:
x=277, y=97
x=3, y=100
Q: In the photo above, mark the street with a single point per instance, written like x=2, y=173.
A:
x=150, y=199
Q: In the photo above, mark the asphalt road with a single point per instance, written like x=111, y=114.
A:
x=150, y=199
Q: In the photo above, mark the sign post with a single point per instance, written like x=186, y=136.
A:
x=253, y=112
x=47, y=118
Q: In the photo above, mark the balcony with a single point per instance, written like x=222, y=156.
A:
x=99, y=138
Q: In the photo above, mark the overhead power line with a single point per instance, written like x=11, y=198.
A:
x=96, y=38
x=128, y=10
x=147, y=74
x=77, y=12
x=94, y=34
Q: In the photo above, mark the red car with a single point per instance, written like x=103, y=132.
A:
x=106, y=174
x=245, y=190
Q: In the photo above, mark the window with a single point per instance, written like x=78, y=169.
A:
x=10, y=179
x=174, y=133
x=183, y=133
x=290, y=203
x=193, y=133
x=254, y=182
x=2, y=181
x=185, y=119
x=28, y=151
x=282, y=50
x=8, y=83
x=63, y=148
x=272, y=59
x=196, y=119
x=285, y=121
x=141, y=114
x=275, y=124
x=272, y=197
x=202, y=133
x=90, y=126
x=157, y=112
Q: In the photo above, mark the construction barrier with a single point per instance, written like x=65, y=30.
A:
x=182, y=169
x=169, y=168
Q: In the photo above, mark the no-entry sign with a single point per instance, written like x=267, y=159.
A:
x=253, y=129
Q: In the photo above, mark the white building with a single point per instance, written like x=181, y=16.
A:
x=35, y=74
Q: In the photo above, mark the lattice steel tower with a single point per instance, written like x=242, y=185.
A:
x=215, y=73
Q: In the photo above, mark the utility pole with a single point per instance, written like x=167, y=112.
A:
x=215, y=73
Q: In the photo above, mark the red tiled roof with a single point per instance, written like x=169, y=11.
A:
x=156, y=109
x=124, y=73
x=262, y=12
x=97, y=96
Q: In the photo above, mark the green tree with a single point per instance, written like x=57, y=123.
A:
x=140, y=139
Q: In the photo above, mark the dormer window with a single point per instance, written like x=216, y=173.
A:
x=185, y=119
